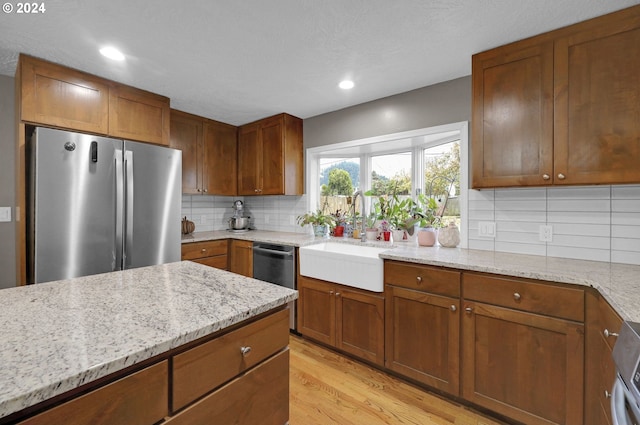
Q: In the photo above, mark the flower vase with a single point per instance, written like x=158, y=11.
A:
x=399, y=235
x=449, y=236
x=427, y=236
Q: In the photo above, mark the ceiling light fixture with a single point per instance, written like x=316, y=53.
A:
x=112, y=53
x=346, y=84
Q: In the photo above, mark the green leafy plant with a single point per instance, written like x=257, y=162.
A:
x=425, y=210
x=317, y=218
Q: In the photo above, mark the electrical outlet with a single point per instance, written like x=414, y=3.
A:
x=487, y=229
x=5, y=214
x=546, y=233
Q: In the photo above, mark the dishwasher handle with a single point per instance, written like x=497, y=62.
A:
x=273, y=251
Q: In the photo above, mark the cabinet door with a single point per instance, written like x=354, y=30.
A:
x=249, y=160
x=135, y=114
x=62, y=97
x=271, y=138
x=360, y=324
x=597, y=112
x=423, y=337
x=512, y=122
x=522, y=365
x=317, y=310
x=220, y=173
x=186, y=135
x=241, y=257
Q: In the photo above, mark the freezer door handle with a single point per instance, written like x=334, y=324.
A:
x=117, y=242
x=128, y=226
x=94, y=151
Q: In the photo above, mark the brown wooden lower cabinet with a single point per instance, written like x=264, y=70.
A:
x=423, y=336
x=241, y=257
x=522, y=365
x=209, y=253
x=349, y=319
x=137, y=399
x=239, y=377
x=260, y=396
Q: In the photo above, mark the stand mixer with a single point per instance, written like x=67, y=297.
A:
x=239, y=222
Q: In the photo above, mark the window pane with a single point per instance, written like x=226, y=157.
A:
x=442, y=179
x=391, y=174
x=339, y=179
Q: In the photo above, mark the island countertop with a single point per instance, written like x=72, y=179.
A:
x=57, y=336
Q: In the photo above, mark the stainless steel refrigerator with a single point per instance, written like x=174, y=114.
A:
x=98, y=204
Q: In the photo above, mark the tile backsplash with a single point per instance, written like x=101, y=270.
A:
x=277, y=213
x=600, y=223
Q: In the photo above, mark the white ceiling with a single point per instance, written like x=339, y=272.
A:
x=237, y=61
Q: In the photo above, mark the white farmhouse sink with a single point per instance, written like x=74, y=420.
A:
x=347, y=264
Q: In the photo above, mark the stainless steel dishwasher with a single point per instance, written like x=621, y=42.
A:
x=276, y=264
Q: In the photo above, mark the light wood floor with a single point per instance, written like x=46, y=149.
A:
x=327, y=388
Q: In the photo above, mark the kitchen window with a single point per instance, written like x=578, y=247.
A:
x=431, y=161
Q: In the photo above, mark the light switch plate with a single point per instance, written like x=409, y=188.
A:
x=5, y=214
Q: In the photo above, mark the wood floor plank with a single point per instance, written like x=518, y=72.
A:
x=327, y=388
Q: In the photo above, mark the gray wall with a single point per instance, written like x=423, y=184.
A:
x=439, y=104
x=7, y=181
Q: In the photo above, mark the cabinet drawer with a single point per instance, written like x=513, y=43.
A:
x=138, y=399
x=207, y=366
x=192, y=251
x=218, y=261
x=526, y=295
x=261, y=396
x=422, y=278
x=609, y=321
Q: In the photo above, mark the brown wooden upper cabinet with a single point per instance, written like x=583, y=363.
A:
x=270, y=157
x=54, y=95
x=560, y=108
x=57, y=96
x=208, y=154
x=136, y=114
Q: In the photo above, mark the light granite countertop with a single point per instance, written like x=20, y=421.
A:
x=618, y=283
x=57, y=336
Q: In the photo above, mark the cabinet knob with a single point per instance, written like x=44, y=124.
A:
x=245, y=351
x=607, y=394
x=561, y=176
x=337, y=294
x=546, y=177
x=468, y=310
x=203, y=250
x=330, y=292
x=204, y=190
x=419, y=279
x=199, y=190
x=517, y=296
x=608, y=334
x=453, y=307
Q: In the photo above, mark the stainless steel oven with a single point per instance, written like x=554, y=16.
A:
x=276, y=264
x=625, y=398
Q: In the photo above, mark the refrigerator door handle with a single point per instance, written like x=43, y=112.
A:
x=119, y=188
x=128, y=226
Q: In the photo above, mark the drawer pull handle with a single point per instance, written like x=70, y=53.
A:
x=419, y=279
x=468, y=310
x=546, y=177
x=245, y=351
x=607, y=394
x=561, y=176
x=608, y=334
x=517, y=296
x=453, y=307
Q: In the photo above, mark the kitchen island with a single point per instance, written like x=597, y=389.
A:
x=60, y=337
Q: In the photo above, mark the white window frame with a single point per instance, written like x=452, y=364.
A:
x=417, y=177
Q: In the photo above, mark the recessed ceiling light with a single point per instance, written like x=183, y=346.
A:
x=112, y=53
x=346, y=84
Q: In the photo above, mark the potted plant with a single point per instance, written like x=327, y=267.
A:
x=319, y=220
x=371, y=229
x=340, y=219
x=403, y=218
x=428, y=221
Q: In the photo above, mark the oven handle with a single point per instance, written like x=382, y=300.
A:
x=618, y=411
x=273, y=251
